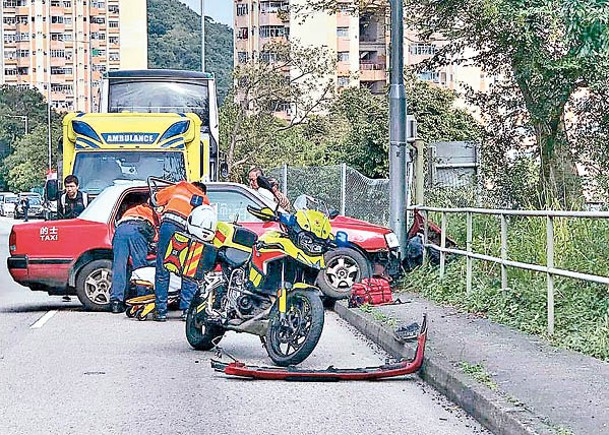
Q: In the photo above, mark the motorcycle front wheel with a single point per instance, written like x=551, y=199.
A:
x=290, y=341
x=200, y=335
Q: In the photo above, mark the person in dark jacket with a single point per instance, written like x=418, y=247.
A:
x=25, y=206
x=136, y=229
x=72, y=202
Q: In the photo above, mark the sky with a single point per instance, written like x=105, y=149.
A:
x=219, y=10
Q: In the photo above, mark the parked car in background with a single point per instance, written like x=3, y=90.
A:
x=8, y=203
x=74, y=256
x=36, y=209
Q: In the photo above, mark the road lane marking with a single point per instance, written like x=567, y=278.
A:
x=44, y=319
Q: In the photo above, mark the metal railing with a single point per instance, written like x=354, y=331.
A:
x=548, y=268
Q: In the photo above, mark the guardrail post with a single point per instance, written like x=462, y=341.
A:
x=468, y=278
x=504, y=280
x=550, y=276
x=425, y=234
x=443, y=245
x=343, y=190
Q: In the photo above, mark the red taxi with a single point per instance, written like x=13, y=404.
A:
x=74, y=257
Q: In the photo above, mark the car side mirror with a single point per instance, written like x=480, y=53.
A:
x=51, y=190
x=333, y=214
x=224, y=171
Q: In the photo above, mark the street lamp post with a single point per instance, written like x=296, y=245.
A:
x=202, y=35
x=398, y=149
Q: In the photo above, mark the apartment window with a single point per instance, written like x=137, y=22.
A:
x=22, y=19
x=23, y=70
x=58, y=53
x=10, y=54
x=343, y=56
x=422, y=49
x=101, y=36
x=57, y=37
x=61, y=87
x=242, y=10
x=10, y=20
x=430, y=76
x=270, y=7
x=23, y=53
x=98, y=5
x=98, y=52
x=242, y=33
x=67, y=36
x=61, y=70
x=113, y=24
x=67, y=4
x=55, y=3
x=14, y=3
x=114, y=56
x=273, y=31
x=57, y=19
x=342, y=82
x=242, y=57
x=67, y=21
x=269, y=56
x=98, y=20
x=22, y=37
x=342, y=32
x=113, y=9
x=9, y=37
x=10, y=71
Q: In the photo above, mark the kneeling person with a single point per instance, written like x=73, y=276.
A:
x=136, y=229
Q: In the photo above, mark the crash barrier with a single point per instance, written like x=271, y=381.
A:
x=341, y=187
x=548, y=268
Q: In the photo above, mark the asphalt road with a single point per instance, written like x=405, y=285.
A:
x=76, y=372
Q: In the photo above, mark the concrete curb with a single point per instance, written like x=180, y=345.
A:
x=490, y=408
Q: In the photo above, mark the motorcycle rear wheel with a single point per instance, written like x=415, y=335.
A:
x=291, y=342
x=200, y=335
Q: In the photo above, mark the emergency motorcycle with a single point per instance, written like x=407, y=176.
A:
x=264, y=286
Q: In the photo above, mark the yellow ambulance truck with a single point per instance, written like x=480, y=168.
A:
x=100, y=148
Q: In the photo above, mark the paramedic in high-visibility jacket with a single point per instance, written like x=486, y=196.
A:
x=135, y=231
x=177, y=202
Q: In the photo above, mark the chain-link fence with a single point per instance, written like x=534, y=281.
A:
x=341, y=187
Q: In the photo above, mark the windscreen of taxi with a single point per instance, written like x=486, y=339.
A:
x=97, y=170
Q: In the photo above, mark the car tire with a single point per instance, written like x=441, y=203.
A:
x=93, y=285
x=344, y=267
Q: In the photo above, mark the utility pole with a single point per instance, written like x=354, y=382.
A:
x=202, y=35
x=398, y=148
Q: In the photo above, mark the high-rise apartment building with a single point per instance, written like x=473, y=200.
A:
x=361, y=43
x=62, y=47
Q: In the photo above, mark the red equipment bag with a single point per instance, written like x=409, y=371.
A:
x=373, y=291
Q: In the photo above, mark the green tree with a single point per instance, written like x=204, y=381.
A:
x=174, y=41
x=366, y=145
x=27, y=165
x=14, y=105
x=541, y=53
x=287, y=76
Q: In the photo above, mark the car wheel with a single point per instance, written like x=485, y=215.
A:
x=93, y=285
x=344, y=267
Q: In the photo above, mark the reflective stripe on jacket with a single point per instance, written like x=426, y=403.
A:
x=176, y=199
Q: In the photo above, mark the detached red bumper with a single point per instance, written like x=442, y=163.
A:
x=330, y=374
